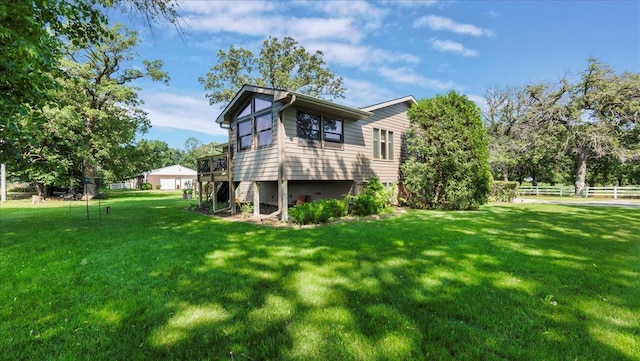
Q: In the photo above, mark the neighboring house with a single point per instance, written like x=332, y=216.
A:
x=285, y=146
x=171, y=177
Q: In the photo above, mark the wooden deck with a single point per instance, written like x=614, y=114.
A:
x=213, y=168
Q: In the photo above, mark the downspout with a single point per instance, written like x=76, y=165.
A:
x=283, y=205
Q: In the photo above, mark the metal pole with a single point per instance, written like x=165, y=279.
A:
x=3, y=181
x=86, y=196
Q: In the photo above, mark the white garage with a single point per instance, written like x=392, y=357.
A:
x=172, y=177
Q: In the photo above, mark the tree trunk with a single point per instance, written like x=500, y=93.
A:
x=90, y=172
x=581, y=175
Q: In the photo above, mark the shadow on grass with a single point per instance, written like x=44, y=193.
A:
x=508, y=282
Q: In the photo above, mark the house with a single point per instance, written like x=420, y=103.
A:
x=285, y=146
x=171, y=177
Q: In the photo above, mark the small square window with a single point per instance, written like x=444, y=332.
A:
x=308, y=126
x=332, y=130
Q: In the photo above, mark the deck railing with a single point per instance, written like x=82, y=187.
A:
x=213, y=166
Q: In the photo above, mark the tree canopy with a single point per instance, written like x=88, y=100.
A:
x=578, y=131
x=281, y=65
x=33, y=35
x=447, y=165
x=96, y=116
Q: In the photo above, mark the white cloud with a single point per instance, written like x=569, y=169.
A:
x=434, y=22
x=405, y=75
x=452, y=47
x=364, y=93
x=232, y=9
x=368, y=16
x=181, y=111
x=480, y=101
x=360, y=55
x=259, y=18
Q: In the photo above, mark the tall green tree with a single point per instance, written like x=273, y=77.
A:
x=98, y=109
x=32, y=38
x=447, y=166
x=521, y=145
x=597, y=111
x=281, y=64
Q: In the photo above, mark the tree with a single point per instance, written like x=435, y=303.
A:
x=281, y=65
x=597, y=112
x=96, y=117
x=448, y=163
x=520, y=144
x=32, y=38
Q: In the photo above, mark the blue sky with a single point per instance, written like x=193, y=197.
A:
x=387, y=49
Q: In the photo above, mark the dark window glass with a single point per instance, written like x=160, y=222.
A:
x=308, y=126
x=244, y=135
x=333, y=130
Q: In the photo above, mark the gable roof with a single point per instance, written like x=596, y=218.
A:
x=176, y=169
x=409, y=99
x=287, y=97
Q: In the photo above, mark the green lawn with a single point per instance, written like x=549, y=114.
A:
x=515, y=282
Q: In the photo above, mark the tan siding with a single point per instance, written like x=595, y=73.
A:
x=314, y=190
x=393, y=118
x=259, y=164
x=353, y=162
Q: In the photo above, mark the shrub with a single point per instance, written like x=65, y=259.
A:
x=447, y=165
x=246, y=209
x=146, y=186
x=320, y=211
x=503, y=191
x=373, y=199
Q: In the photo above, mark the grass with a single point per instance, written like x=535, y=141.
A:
x=515, y=281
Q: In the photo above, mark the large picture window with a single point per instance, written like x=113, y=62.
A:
x=255, y=120
x=382, y=144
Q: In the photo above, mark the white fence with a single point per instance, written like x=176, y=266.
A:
x=602, y=192
x=120, y=186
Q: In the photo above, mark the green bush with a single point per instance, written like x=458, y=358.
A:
x=373, y=199
x=146, y=186
x=447, y=164
x=320, y=211
x=503, y=191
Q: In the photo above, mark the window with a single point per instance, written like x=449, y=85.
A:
x=332, y=130
x=382, y=144
x=314, y=127
x=308, y=126
x=246, y=111
x=245, y=137
x=263, y=128
x=255, y=120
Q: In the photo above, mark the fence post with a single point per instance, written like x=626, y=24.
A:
x=537, y=192
x=615, y=192
x=560, y=191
